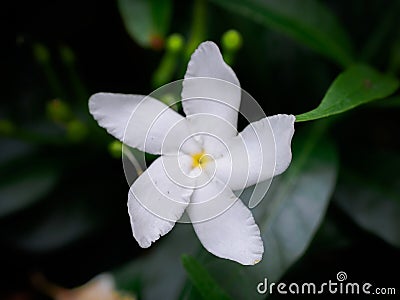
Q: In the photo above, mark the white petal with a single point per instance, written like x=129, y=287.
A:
x=156, y=202
x=262, y=150
x=232, y=234
x=140, y=121
x=283, y=130
x=212, y=133
x=210, y=86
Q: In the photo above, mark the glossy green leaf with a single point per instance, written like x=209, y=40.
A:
x=147, y=22
x=288, y=217
x=372, y=199
x=202, y=280
x=22, y=188
x=307, y=21
x=357, y=85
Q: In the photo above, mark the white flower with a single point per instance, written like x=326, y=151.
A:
x=203, y=158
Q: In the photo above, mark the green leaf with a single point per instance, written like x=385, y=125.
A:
x=372, y=198
x=147, y=279
x=297, y=202
x=22, y=188
x=13, y=149
x=56, y=225
x=390, y=102
x=288, y=217
x=306, y=21
x=202, y=280
x=147, y=22
x=357, y=85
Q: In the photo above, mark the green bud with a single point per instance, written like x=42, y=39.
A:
x=115, y=149
x=232, y=40
x=41, y=53
x=6, y=127
x=175, y=43
x=76, y=131
x=67, y=55
x=58, y=111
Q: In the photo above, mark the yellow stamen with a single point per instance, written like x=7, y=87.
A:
x=200, y=159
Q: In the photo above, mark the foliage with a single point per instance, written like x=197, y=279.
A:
x=62, y=189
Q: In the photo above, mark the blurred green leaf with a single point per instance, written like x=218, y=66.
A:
x=53, y=227
x=297, y=201
x=386, y=26
x=288, y=217
x=202, y=280
x=393, y=101
x=307, y=21
x=159, y=274
x=147, y=22
x=22, y=188
x=373, y=200
x=357, y=85
x=12, y=149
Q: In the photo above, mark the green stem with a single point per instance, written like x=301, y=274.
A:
x=166, y=69
x=42, y=56
x=80, y=91
x=127, y=152
x=198, y=32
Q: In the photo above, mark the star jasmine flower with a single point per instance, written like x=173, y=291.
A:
x=203, y=158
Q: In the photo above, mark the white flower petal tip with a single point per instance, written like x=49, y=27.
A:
x=207, y=61
x=156, y=202
x=233, y=234
x=139, y=121
x=211, y=88
x=283, y=130
x=147, y=228
x=263, y=148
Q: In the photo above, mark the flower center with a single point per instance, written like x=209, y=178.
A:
x=200, y=159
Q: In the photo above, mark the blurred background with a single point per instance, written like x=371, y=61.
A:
x=63, y=191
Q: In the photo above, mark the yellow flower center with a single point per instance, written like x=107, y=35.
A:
x=200, y=159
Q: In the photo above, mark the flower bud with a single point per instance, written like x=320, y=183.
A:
x=67, y=55
x=58, y=111
x=76, y=131
x=41, y=53
x=175, y=43
x=232, y=40
x=157, y=42
x=115, y=149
